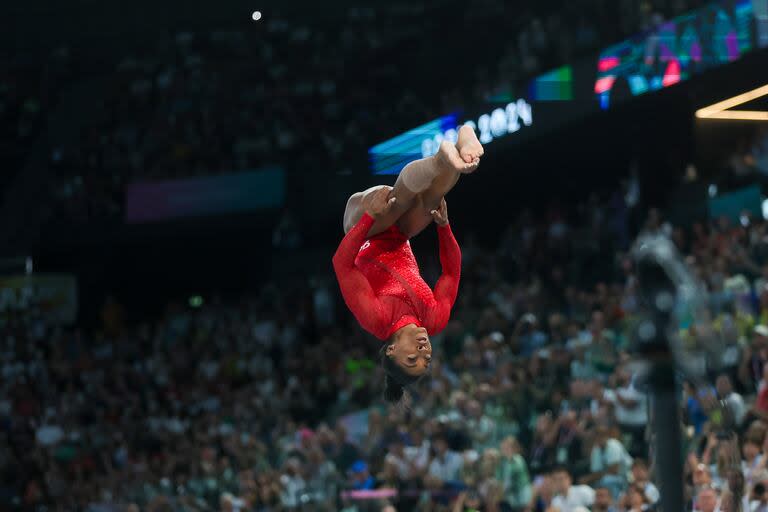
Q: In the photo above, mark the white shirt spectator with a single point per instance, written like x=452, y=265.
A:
x=481, y=429
x=736, y=404
x=418, y=455
x=403, y=468
x=636, y=415
x=578, y=496
x=750, y=470
x=293, y=488
x=651, y=492
x=613, y=453
x=446, y=468
x=412, y=456
x=581, y=369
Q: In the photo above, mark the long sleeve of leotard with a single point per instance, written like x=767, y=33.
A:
x=447, y=286
x=357, y=291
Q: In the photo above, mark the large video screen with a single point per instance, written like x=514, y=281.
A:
x=708, y=37
x=391, y=156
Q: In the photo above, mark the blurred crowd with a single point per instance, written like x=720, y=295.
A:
x=29, y=86
x=750, y=159
x=196, y=103
x=273, y=402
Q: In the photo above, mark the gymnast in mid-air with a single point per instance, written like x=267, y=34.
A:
x=378, y=273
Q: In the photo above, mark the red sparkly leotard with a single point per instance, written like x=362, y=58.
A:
x=381, y=283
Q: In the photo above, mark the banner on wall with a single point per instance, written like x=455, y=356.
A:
x=55, y=295
x=240, y=192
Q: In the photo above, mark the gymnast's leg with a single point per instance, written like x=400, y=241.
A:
x=455, y=160
x=420, y=186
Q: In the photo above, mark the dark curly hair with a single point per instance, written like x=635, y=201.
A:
x=395, y=379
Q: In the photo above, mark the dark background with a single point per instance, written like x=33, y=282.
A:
x=145, y=264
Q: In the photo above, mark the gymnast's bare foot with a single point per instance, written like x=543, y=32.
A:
x=449, y=157
x=469, y=147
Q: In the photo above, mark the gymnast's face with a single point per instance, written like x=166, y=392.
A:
x=411, y=350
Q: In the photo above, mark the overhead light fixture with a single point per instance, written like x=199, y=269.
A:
x=742, y=115
x=722, y=110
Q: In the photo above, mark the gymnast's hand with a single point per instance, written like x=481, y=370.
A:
x=441, y=214
x=380, y=203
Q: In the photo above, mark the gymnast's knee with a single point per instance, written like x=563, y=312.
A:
x=357, y=204
x=353, y=211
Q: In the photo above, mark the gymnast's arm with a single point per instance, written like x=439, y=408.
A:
x=357, y=291
x=447, y=286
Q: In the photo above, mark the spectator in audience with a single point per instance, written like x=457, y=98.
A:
x=630, y=408
x=609, y=462
x=752, y=464
x=513, y=475
x=701, y=478
x=542, y=455
x=468, y=501
x=446, y=464
x=567, y=497
x=641, y=479
x=635, y=500
x=707, y=500
x=480, y=426
x=603, y=500
x=323, y=480
x=755, y=355
x=697, y=403
x=734, y=402
x=293, y=484
x=360, y=477
x=758, y=499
